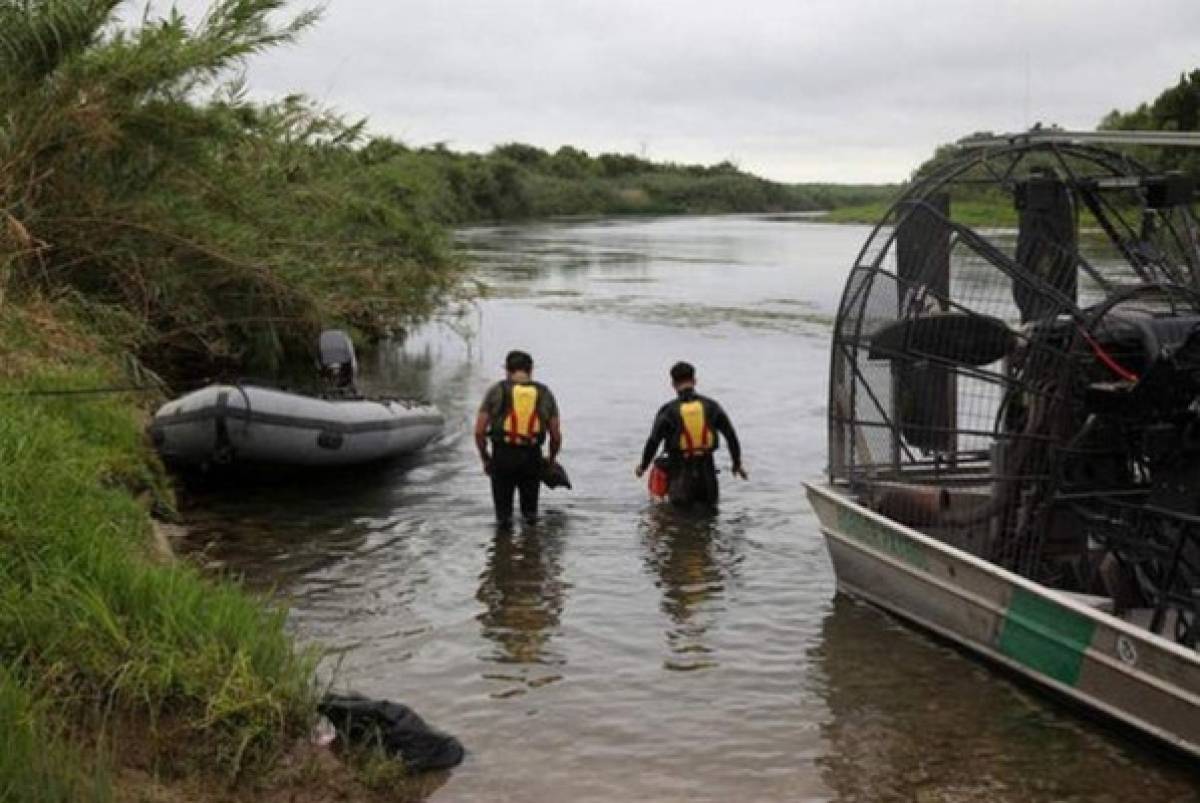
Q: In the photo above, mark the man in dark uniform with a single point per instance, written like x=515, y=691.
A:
x=516, y=417
x=689, y=427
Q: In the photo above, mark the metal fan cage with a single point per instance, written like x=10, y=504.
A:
x=997, y=449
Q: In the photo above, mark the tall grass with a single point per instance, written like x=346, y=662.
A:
x=36, y=765
x=208, y=674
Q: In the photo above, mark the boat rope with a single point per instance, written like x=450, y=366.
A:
x=100, y=391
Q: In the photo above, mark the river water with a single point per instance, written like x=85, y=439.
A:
x=614, y=651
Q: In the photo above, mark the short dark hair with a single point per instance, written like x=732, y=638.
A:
x=683, y=372
x=518, y=361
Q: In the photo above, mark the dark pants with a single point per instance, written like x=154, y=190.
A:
x=693, y=482
x=516, y=469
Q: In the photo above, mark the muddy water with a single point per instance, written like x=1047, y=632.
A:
x=614, y=651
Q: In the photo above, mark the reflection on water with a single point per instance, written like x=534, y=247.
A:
x=289, y=521
x=523, y=592
x=910, y=719
x=692, y=560
x=617, y=650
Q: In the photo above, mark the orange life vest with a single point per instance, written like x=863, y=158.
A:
x=521, y=424
x=696, y=438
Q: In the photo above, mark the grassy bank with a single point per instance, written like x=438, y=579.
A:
x=984, y=213
x=177, y=673
x=126, y=675
x=36, y=763
x=975, y=213
x=155, y=223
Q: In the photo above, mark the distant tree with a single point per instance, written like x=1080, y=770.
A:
x=1175, y=109
x=568, y=162
x=942, y=155
x=622, y=164
x=381, y=149
x=725, y=167
x=522, y=154
x=1178, y=108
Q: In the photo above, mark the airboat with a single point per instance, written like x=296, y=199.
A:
x=1014, y=419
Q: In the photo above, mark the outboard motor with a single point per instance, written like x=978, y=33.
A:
x=338, y=363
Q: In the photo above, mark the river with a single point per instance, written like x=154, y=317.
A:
x=614, y=651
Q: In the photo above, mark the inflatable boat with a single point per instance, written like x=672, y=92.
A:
x=222, y=424
x=239, y=423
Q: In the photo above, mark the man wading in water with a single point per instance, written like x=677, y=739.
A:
x=689, y=426
x=516, y=416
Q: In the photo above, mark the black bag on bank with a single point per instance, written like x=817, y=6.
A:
x=394, y=727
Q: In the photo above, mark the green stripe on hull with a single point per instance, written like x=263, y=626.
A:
x=877, y=536
x=1045, y=636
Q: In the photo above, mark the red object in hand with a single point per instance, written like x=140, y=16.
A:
x=658, y=481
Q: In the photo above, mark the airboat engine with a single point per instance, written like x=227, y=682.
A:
x=339, y=365
x=1031, y=394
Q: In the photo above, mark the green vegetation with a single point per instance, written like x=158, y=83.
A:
x=970, y=212
x=518, y=181
x=1177, y=108
x=227, y=232
x=134, y=172
x=36, y=765
x=201, y=674
x=154, y=221
x=978, y=212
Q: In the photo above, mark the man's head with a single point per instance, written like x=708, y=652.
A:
x=683, y=375
x=518, y=362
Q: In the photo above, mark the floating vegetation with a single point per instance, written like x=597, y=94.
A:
x=694, y=315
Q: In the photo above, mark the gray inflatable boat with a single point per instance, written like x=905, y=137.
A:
x=221, y=424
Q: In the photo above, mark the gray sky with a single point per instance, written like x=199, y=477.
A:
x=795, y=90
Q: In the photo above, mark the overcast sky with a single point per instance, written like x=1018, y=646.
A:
x=795, y=90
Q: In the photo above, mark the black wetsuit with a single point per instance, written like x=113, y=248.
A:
x=693, y=479
x=519, y=469
x=516, y=468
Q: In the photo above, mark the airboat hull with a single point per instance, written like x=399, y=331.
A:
x=1052, y=638
x=245, y=424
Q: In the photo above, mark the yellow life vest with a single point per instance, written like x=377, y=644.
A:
x=696, y=438
x=522, y=426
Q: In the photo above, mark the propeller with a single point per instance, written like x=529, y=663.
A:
x=955, y=337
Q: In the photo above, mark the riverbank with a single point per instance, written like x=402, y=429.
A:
x=157, y=229
x=517, y=182
x=975, y=213
x=99, y=636
x=128, y=675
